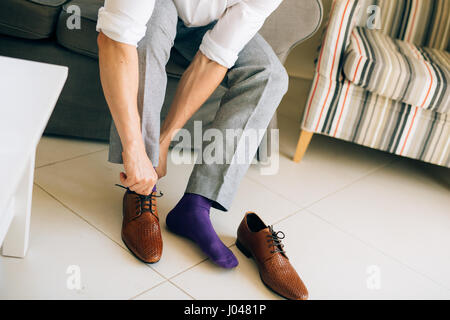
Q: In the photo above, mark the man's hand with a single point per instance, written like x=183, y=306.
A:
x=139, y=175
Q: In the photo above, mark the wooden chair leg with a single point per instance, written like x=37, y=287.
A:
x=303, y=143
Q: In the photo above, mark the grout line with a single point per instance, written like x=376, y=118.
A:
x=160, y=284
x=371, y=172
x=290, y=216
x=382, y=252
x=297, y=211
x=72, y=158
x=181, y=289
x=149, y=266
x=147, y=290
x=368, y=174
x=95, y=227
x=274, y=192
x=187, y=269
x=300, y=209
x=345, y=186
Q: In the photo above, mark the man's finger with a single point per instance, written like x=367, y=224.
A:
x=129, y=182
x=142, y=188
x=123, y=178
x=126, y=181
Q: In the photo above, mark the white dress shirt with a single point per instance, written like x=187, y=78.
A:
x=238, y=21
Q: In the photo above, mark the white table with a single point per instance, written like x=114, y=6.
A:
x=28, y=94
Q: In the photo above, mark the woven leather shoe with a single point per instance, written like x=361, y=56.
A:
x=255, y=239
x=141, y=232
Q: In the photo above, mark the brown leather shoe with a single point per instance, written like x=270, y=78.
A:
x=141, y=232
x=257, y=240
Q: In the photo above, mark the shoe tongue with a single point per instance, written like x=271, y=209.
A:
x=146, y=204
x=266, y=230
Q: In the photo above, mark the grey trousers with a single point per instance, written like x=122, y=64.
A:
x=255, y=87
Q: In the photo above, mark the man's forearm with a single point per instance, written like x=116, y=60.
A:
x=120, y=80
x=119, y=73
x=197, y=84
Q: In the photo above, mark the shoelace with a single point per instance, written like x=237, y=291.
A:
x=143, y=203
x=274, y=240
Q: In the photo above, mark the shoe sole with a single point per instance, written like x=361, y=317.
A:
x=249, y=255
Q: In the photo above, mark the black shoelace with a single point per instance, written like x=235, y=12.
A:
x=143, y=203
x=274, y=240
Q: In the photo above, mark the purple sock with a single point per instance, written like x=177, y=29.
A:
x=190, y=219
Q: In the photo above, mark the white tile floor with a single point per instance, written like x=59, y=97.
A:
x=360, y=224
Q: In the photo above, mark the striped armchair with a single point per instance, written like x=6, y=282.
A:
x=382, y=79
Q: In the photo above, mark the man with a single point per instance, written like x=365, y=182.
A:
x=219, y=38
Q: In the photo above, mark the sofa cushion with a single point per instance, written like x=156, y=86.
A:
x=399, y=70
x=83, y=40
x=30, y=19
x=50, y=3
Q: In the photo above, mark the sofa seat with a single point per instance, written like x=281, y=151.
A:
x=29, y=19
x=399, y=70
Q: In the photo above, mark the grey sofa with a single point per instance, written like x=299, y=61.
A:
x=36, y=30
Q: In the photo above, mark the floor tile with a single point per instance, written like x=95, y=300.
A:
x=62, y=246
x=368, y=212
x=180, y=254
x=206, y=281
x=86, y=185
x=164, y=291
x=403, y=211
x=52, y=149
x=329, y=165
x=333, y=265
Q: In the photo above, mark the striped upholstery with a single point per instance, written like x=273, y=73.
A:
x=422, y=22
x=368, y=119
x=399, y=70
x=439, y=32
x=343, y=110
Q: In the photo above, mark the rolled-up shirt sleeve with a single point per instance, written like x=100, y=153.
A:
x=237, y=26
x=125, y=21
